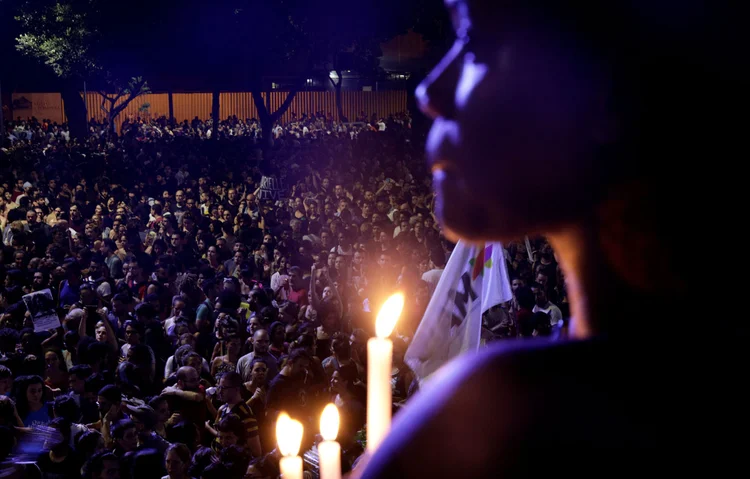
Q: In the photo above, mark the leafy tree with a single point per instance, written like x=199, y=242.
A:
x=81, y=40
x=59, y=35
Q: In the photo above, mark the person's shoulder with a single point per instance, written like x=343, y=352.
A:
x=246, y=358
x=519, y=387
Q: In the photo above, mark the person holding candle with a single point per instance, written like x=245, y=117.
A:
x=607, y=109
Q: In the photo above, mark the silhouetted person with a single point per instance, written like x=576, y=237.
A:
x=590, y=123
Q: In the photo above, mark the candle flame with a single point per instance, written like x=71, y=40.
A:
x=388, y=315
x=329, y=422
x=288, y=434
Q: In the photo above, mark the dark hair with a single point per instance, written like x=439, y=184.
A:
x=525, y=297
x=341, y=346
x=137, y=325
x=8, y=339
x=96, y=352
x=147, y=464
x=66, y=408
x=123, y=298
x=62, y=426
x=96, y=463
x=5, y=372
x=60, y=359
x=236, y=458
x=81, y=371
x=229, y=300
x=86, y=442
x=268, y=315
x=119, y=428
x=233, y=378
x=298, y=354
x=202, y=458
x=183, y=432
x=207, y=286
x=181, y=450
x=274, y=326
x=541, y=322
x=94, y=383
x=20, y=385
x=155, y=401
x=111, y=393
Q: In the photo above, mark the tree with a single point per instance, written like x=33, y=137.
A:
x=84, y=40
x=114, y=103
x=60, y=35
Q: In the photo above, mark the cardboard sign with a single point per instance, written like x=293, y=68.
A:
x=271, y=188
x=41, y=305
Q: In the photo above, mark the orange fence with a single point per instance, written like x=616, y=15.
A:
x=189, y=105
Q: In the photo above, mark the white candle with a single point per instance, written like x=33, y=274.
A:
x=379, y=366
x=329, y=451
x=289, y=436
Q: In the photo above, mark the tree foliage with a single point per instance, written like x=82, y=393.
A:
x=60, y=35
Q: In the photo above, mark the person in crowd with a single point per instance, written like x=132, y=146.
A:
x=348, y=394
x=287, y=391
x=232, y=344
x=66, y=408
x=28, y=394
x=230, y=394
x=261, y=344
x=109, y=403
x=187, y=396
x=544, y=305
x=145, y=419
x=124, y=437
x=6, y=381
x=177, y=461
x=103, y=465
x=59, y=458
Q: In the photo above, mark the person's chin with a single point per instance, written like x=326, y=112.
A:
x=469, y=213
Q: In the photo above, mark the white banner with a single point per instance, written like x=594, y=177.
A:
x=474, y=280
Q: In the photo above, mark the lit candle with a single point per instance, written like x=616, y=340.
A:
x=329, y=451
x=289, y=437
x=379, y=365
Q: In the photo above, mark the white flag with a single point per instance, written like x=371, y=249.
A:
x=475, y=279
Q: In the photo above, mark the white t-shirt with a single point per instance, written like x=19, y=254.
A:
x=555, y=315
x=432, y=278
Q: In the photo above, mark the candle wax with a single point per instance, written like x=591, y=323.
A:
x=379, y=397
x=329, y=453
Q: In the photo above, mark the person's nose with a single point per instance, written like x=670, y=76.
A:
x=437, y=92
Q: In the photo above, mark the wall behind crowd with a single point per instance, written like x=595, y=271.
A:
x=187, y=106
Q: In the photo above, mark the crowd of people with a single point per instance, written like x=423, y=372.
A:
x=195, y=302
